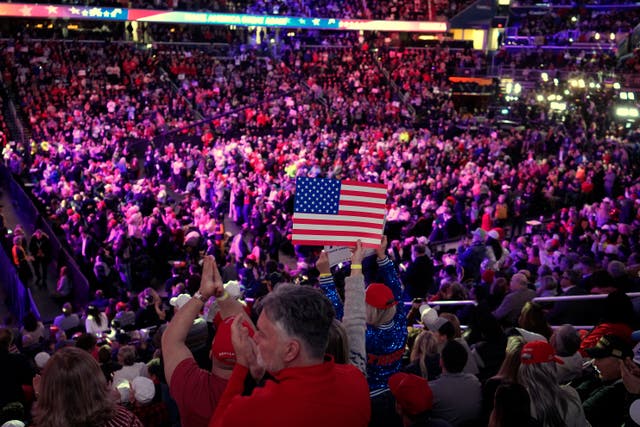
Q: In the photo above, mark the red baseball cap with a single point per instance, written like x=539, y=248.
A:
x=379, y=296
x=222, y=347
x=538, y=352
x=412, y=393
x=488, y=276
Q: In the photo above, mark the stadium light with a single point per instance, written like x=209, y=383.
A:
x=627, y=112
x=616, y=85
x=517, y=88
x=623, y=96
x=612, y=36
x=558, y=106
x=544, y=77
x=539, y=98
x=597, y=36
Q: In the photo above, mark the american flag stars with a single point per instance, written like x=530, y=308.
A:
x=319, y=196
x=26, y=10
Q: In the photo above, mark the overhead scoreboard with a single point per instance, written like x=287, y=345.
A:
x=55, y=11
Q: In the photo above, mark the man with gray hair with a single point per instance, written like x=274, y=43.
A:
x=308, y=388
x=511, y=306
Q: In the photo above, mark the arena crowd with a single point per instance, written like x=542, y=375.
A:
x=170, y=172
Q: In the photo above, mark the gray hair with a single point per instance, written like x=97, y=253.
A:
x=302, y=312
x=565, y=340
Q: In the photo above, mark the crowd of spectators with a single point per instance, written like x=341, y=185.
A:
x=175, y=182
x=557, y=26
x=579, y=61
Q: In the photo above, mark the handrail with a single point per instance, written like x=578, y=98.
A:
x=447, y=302
x=580, y=297
x=554, y=327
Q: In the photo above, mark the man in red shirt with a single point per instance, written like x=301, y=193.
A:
x=196, y=391
x=308, y=388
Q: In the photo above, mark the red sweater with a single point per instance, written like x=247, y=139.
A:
x=325, y=395
x=196, y=392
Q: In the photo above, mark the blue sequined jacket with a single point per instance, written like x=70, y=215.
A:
x=385, y=344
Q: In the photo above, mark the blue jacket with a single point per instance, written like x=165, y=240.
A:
x=386, y=343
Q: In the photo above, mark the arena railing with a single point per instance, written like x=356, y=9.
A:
x=580, y=297
x=537, y=299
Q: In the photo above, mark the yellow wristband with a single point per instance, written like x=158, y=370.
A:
x=323, y=275
x=356, y=266
x=224, y=296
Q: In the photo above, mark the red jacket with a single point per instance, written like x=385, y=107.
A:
x=325, y=395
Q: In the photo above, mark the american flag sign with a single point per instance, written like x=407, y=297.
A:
x=338, y=213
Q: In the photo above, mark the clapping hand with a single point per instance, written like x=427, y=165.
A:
x=244, y=346
x=211, y=282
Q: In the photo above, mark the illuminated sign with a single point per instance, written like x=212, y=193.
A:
x=25, y=10
x=51, y=11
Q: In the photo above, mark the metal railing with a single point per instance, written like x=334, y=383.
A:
x=580, y=297
x=446, y=303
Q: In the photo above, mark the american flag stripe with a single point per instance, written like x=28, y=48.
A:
x=358, y=206
x=359, y=198
x=360, y=212
x=319, y=230
x=335, y=241
x=338, y=213
x=364, y=186
x=344, y=220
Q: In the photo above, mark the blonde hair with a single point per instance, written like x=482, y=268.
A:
x=426, y=344
x=379, y=316
x=511, y=363
x=550, y=402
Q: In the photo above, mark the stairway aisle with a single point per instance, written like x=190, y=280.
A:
x=47, y=307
